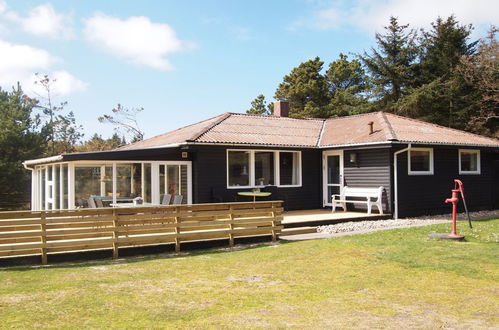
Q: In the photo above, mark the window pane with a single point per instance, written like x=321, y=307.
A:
x=183, y=183
x=123, y=180
x=289, y=168
x=136, y=188
x=87, y=183
x=173, y=180
x=264, y=168
x=420, y=161
x=42, y=188
x=239, y=168
x=64, y=186
x=469, y=161
x=333, y=169
x=57, y=187
x=147, y=182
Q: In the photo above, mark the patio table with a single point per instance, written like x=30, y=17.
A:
x=254, y=194
x=130, y=204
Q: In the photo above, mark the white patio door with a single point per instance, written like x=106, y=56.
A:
x=332, y=174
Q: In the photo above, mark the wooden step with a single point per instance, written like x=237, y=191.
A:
x=298, y=231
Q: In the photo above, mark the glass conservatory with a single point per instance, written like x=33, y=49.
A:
x=87, y=184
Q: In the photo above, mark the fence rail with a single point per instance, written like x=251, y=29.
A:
x=24, y=233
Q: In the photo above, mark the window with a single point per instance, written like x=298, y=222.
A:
x=469, y=161
x=259, y=168
x=239, y=168
x=420, y=161
x=289, y=168
x=264, y=168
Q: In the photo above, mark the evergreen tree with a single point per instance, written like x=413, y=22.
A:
x=259, y=106
x=97, y=143
x=20, y=139
x=482, y=71
x=68, y=133
x=440, y=94
x=348, y=84
x=306, y=89
x=391, y=65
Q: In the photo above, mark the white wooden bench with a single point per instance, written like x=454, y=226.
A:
x=372, y=197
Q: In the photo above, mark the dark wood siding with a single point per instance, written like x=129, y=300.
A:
x=425, y=194
x=371, y=170
x=210, y=179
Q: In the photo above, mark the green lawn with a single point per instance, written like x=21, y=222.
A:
x=389, y=279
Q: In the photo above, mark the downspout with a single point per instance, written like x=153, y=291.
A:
x=395, y=166
x=33, y=192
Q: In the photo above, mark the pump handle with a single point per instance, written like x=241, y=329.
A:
x=458, y=184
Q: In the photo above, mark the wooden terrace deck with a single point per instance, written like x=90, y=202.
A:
x=317, y=217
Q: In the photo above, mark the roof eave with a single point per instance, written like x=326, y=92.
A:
x=44, y=160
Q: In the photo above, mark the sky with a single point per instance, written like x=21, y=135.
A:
x=185, y=61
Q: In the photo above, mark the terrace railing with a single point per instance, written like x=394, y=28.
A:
x=27, y=233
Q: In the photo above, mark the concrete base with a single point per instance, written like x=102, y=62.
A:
x=446, y=237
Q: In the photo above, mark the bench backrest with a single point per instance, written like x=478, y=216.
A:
x=362, y=192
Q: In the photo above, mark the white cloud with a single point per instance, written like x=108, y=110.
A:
x=42, y=20
x=372, y=15
x=20, y=62
x=135, y=39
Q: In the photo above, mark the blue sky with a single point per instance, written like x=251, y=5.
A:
x=185, y=61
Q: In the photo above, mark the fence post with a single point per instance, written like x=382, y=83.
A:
x=274, y=236
x=115, y=234
x=43, y=227
x=177, y=230
x=231, y=227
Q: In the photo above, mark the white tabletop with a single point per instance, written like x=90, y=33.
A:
x=130, y=204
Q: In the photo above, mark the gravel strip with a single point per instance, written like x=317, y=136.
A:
x=374, y=225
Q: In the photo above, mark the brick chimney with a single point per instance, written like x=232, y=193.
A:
x=281, y=108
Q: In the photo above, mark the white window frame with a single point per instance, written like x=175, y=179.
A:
x=251, y=169
x=410, y=172
x=478, y=163
x=37, y=179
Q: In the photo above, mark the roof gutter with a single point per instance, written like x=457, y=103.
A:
x=28, y=164
x=395, y=175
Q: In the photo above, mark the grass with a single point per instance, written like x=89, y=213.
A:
x=388, y=279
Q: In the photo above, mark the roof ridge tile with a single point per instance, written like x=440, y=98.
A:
x=390, y=133
x=223, y=117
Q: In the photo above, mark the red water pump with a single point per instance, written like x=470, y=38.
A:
x=458, y=189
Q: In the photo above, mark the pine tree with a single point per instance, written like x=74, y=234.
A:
x=348, y=84
x=259, y=106
x=306, y=89
x=391, y=65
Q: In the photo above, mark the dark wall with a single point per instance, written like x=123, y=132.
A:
x=371, y=170
x=209, y=179
x=425, y=194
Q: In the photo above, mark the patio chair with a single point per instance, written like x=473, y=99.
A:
x=98, y=202
x=166, y=199
x=177, y=199
x=91, y=203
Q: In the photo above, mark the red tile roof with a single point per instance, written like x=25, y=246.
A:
x=236, y=128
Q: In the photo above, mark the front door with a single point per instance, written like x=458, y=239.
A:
x=332, y=173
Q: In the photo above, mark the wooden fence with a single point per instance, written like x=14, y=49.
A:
x=24, y=233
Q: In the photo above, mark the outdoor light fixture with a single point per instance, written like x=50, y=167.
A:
x=353, y=158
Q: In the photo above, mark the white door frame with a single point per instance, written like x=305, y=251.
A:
x=324, y=174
